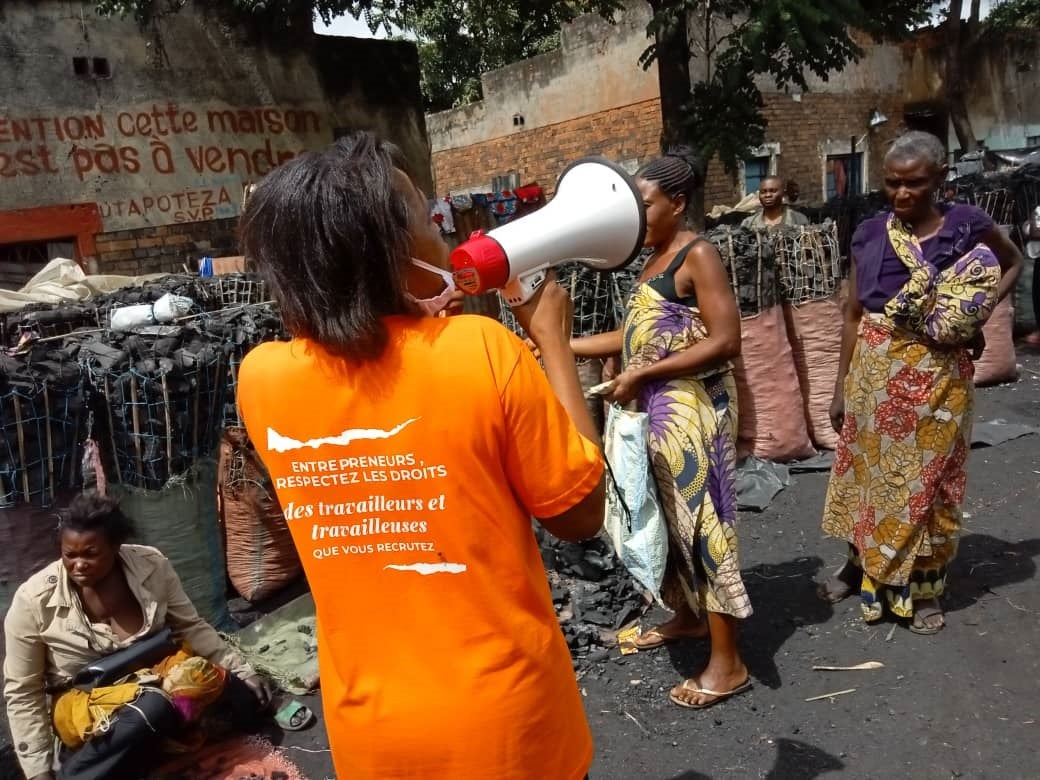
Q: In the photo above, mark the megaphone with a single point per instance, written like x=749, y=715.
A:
x=596, y=218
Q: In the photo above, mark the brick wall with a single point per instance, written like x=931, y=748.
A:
x=802, y=127
x=164, y=249
x=628, y=133
x=633, y=132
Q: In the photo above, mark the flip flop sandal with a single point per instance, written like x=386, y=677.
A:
x=923, y=615
x=294, y=716
x=720, y=696
x=645, y=642
x=661, y=640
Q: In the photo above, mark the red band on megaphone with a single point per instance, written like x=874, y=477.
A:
x=480, y=264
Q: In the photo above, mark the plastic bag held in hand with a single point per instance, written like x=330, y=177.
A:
x=634, y=519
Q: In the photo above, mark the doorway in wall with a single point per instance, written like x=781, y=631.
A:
x=30, y=238
x=21, y=261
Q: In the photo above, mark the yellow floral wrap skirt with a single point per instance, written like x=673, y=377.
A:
x=898, y=478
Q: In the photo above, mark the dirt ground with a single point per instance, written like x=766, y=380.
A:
x=964, y=703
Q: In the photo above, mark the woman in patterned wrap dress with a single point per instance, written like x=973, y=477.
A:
x=923, y=280
x=681, y=329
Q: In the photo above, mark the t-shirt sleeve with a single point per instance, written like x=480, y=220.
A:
x=550, y=465
x=866, y=232
x=981, y=222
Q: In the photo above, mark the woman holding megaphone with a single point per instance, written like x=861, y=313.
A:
x=412, y=450
x=681, y=329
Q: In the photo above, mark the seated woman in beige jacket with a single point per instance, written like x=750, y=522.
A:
x=101, y=597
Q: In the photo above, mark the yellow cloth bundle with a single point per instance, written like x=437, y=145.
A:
x=78, y=715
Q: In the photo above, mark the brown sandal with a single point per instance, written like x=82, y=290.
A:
x=920, y=625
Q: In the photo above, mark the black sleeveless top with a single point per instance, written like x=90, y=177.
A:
x=664, y=283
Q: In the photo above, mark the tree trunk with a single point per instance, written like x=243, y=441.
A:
x=673, y=78
x=955, y=92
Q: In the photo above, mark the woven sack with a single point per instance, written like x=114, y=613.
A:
x=998, y=362
x=814, y=332
x=771, y=421
x=261, y=557
x=181, y=521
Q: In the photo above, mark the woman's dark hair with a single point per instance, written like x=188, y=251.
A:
x=330, y=232
x=676, y=173
x=93, y=512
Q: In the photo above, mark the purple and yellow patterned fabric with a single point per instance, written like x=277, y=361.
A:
x=948, y=306
x=693, y=424
x=880, y=274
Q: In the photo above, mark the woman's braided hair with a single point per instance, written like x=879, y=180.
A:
x=675, y=173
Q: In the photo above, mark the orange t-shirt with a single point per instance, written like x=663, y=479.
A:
x=409, y=483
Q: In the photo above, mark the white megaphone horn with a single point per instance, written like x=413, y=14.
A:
x=596, y=218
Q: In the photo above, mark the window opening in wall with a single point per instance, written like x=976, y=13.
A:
x=20, y=262
x=101, y=68
x=1033, y=140
x=755, y=169
x=81, y=66
x=843, y=179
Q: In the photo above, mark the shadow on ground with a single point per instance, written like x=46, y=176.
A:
x=985, y=563
x=801, y=761
x=784, y=599
x=794, y=761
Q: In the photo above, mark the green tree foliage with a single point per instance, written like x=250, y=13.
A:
x=738, y=42
x=1012, y=14
x=458, y=41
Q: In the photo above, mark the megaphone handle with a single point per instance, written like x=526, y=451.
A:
x=522, y=289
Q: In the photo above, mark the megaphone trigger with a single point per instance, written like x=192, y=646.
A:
x=520, y=290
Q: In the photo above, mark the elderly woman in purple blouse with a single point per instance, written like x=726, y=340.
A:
x=924, y=278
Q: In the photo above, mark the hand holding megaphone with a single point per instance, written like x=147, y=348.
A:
x=548, y=314
x=596, y=218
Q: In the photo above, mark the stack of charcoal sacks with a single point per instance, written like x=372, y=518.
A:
x=157, y=394
x=180, y=441
x=154, y=401
x=43, y=421
x=771, y=425
x=809, y=268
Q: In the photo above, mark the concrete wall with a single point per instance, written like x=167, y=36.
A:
x=188, y=113
x=593, y=74
x=1003, y=82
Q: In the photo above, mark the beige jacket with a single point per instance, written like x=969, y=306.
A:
x=791, y=217
x=49, y=639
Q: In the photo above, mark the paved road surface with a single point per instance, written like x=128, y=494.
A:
x=964, y=703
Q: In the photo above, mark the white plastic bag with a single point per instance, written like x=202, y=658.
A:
x=634, y=519
x=167, y=309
